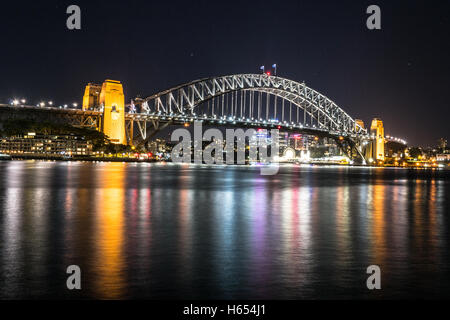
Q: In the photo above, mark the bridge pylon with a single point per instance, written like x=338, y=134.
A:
x=113, y=102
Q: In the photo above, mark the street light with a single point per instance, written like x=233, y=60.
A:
x=42, y=104
x=23, y=101
x=75, y=104
x=50, y=102
x=15, y=102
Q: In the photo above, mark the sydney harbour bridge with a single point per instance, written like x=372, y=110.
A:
x=241, y=100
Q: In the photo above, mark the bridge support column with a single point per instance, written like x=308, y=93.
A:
x=113, y=102
x=129, y=131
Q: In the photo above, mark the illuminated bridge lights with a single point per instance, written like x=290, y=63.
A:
x=247, y=99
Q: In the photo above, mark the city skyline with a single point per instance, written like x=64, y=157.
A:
x=382, y=73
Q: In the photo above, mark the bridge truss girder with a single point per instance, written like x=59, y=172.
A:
x=186, y=98
x=77, y=118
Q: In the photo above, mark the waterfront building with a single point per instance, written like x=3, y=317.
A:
x=33, y=144
x=443, y=157
x=298, y=141
x=283, y=140
x=157, y=146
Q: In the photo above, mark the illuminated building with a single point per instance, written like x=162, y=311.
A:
x=298, y=141
x=113, y=102
x=157, y=146
x=45, y=145
x=443, y=157
x=283, y=140
x=91, y=98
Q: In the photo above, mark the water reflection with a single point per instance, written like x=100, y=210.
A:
x=378, y=223
x=110, y=259
x=166, y=231
x=11, y=234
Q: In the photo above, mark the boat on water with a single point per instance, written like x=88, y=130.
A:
x=5, y=156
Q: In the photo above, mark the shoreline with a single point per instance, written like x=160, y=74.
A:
x=107, y=159
x=79, y=158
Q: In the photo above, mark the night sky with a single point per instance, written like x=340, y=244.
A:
x=399, y=73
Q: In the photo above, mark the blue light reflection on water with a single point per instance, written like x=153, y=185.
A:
x=168, y=231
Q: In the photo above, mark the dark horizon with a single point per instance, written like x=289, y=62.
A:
x=398, y=73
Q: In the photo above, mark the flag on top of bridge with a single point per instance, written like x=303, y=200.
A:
x=274, y=65
x=261, y=68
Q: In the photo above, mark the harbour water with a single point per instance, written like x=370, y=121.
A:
x=164, y=231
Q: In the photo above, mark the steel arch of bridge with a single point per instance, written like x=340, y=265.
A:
x=185, y=98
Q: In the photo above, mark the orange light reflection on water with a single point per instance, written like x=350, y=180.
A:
x=378, y=223
x=110, y=281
